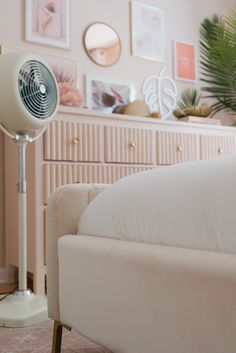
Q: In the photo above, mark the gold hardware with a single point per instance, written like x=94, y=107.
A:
x=220, y=150
x=179, y=148
x=76, y=140
x=132, y=144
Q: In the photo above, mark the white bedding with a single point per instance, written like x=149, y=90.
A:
x=191, y=205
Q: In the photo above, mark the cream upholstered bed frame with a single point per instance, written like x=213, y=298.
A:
x=134, y=297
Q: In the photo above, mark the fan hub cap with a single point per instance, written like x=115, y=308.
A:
x=42, y=88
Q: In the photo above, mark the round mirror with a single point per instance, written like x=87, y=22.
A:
x=102, y=44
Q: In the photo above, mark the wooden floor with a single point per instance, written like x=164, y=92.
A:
x=6, y=288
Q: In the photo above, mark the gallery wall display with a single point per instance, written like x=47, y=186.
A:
x=48, y=22
x=185, y=65
x=147, y=31
x=106, y=93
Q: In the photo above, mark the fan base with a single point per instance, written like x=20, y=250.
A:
x=20, y=311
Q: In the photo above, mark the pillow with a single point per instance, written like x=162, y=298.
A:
x=190, y=205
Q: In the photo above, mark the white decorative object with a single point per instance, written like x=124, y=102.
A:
x=160, y=93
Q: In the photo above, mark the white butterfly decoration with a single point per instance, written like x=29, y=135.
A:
x=160, y=94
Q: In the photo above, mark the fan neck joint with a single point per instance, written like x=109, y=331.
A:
x=21, y=138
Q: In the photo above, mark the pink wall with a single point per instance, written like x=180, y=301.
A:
x=182, y=19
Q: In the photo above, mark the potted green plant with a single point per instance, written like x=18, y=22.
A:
x=189, y=104
x=218, y=60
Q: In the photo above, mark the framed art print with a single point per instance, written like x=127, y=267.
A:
x=48, y=22
x=185, y=61
x=147, y=31
x=66, y=71
x=106, y=93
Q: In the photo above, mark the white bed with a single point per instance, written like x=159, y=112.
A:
x=153, y=268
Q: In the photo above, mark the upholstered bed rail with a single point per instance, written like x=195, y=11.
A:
x=64, y=208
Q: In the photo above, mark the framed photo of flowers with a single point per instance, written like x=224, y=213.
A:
x=66, y=71
x=147, y=31
x=185, y=64
x=105, y=94
x=48, y=22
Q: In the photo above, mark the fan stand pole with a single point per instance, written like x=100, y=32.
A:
x=22, y=308
x=22, y=217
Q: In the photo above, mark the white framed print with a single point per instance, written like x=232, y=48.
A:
x=48, y=22
x=105, y=94
x=185, y=63
x=147, y=31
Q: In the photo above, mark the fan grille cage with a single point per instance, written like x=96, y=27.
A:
x=37, y=89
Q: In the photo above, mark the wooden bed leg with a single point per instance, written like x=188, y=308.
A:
x=57, y=336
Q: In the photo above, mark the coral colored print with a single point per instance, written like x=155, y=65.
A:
x=185, y=61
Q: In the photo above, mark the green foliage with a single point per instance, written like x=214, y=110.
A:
x=189, y=98
x=218, y=60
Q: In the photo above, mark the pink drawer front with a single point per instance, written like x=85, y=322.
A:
x=174, y=147
x=56, y=175
x=71, y=141
x=128, y=145
x=217, y=146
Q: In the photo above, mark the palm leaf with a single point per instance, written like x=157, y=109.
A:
x=189, y=98
x=218, y=60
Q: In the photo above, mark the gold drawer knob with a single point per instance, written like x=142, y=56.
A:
x=132, y=144
x=179, y=148
x=220, y=150
x=75, y=141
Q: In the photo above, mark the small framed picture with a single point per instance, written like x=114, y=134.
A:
x=185, y=67
x=66, y=71
x=106, y=93
x=147, y=31
x=48, y=22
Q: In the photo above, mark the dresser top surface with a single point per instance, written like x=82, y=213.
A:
x=92, y=116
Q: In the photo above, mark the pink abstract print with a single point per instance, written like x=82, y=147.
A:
x=48, y=18
x=47, y=22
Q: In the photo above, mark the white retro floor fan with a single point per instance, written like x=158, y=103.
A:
x=28, y=102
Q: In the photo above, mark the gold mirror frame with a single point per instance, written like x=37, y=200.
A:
x=102, y=44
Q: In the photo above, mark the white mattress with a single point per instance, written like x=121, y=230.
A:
x=192, y=205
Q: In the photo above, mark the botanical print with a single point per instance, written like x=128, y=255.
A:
x=185, y=62
x=106, y=94
x=47, y=22
x=148, y=35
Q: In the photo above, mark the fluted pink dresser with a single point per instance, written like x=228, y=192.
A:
x=84, y=146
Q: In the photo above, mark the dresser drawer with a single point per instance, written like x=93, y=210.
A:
x=128, y=145
x=217, y=146
x=174, y=147
x=71, y=141
x=55, y=175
